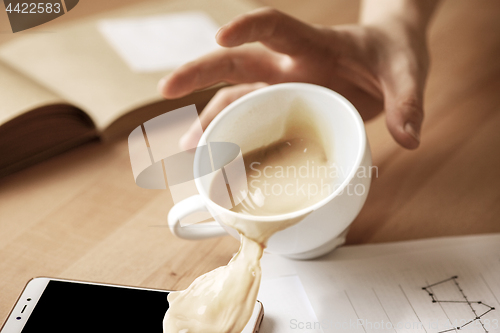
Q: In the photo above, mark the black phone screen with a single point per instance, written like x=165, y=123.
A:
x=77, y=307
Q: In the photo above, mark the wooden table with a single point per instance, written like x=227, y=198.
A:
x=81, y=216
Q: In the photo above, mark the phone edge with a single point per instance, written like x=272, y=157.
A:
x=18, y=301
x=256, y=329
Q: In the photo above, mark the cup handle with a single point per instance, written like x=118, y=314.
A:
x=189, y=206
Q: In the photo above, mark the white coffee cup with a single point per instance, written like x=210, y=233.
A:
x=258, y=119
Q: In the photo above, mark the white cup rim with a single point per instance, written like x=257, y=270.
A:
x=294, y=86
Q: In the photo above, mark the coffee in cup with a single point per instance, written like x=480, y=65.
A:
x=287, y=175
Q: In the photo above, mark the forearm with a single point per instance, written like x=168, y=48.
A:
x=412, y=14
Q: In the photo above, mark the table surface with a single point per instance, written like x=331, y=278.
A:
x=81, y=216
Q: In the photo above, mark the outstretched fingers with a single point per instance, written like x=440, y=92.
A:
x=240, y=65
x=276, y=30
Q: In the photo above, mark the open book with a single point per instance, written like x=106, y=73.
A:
x=61, y=88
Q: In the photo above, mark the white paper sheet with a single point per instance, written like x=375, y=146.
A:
x=162, y=42
x=286, y=306
x=366, y=251
x=275, y=266
x=385, y=293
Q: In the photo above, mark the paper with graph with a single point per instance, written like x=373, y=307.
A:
x=426, y=288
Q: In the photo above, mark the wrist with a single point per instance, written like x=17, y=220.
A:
x=408, y=16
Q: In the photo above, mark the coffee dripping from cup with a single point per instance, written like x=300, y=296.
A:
x=274, y=127
x=265, y=118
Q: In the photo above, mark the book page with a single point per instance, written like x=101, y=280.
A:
x=161, y=42
x=79, y=64
x=20, y=95
x=428, y=289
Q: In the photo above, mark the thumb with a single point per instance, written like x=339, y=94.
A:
x=403, y=96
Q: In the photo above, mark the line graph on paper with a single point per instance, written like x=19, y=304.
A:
x=449, y=289
x=478, y=309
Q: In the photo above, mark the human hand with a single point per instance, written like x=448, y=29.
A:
x=376, y=67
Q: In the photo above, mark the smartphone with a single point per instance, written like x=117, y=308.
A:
x=57, y=305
